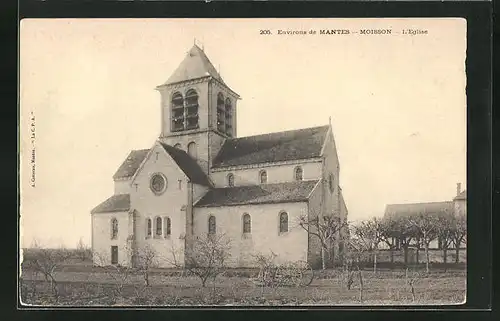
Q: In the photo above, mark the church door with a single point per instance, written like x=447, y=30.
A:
x=114, y=255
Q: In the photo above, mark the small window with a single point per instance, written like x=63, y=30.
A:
x=247, y=223
x=192, y=151
x=168, y=229
x=177, y=117
x=114, y=228
x=230, y=180
x=221, y=113
x=283, y=222
x=211, y=225
x=331, y=183
x=298, y=173
x=159, y=226
x=191, y=109
x=263, y=177
x=148, y=227
x=228, y=111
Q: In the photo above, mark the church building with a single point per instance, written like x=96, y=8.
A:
x=200, y=178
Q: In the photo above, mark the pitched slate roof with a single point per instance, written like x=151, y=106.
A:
x=188, y=165
x=116, y=203
x=461, y=196
x=131, y=164
x=413, y=209
x=289, y=192
x=195, y=65
x=274, y=147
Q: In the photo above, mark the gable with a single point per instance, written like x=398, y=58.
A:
x=274, y=147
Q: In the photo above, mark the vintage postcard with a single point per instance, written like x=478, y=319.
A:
x=242, y=162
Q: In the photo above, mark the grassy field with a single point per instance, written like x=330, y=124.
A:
x=97, y=287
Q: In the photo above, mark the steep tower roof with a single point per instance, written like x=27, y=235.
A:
x=195, y=65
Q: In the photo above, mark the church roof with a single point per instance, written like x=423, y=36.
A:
x=116, y=203
x=274, y=147
x=461, y=196
x=131, y=164
x=195, y=65
x=413, y=209
x=258, y=194
x=188, y=165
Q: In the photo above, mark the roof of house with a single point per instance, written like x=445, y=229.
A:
x=274, y=147
x=116, y=203
x=461, y=196
x=289, y=192
x=188, y=165
x=131, y=164
x=411, y=209
x=195, y=65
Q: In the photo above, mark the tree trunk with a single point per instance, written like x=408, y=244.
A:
x=457, y=253
x=417, y=252
x=392, y=256
x=360, y=275
x=445, y=257
x=323, y=258
x=375, y=262
x=405, y=249
x=427, y=256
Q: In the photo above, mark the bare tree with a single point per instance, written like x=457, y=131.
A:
x=403, y=231
x=83, y=251
x=371, y=233
x=208, y=257
x=356, y=249
x=445, y=235
x=146, y=260
x=46, y=261
x=458, y=234
x=118, y=273
x=327, y=230
x=387, y=234
x=426, y=231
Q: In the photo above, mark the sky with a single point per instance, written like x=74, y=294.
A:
x=397, y=104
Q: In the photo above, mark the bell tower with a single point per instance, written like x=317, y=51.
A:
x=198, y=110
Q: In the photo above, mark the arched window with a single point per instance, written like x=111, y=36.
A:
x=331, y=183
x=263, y=177
x=159, y=226
x=114, y=228
x=247, y=223
x=191, y=109
x=230, y=180
x=192, y=150
x=298, y=173
x=148, y=227
x=283, y=222
x=178, y=146
x=229, y=117
x=168, y=227
x=177, y=114
x=221, y=110
x=211, y=225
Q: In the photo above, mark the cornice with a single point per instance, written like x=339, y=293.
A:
x=268, y=164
